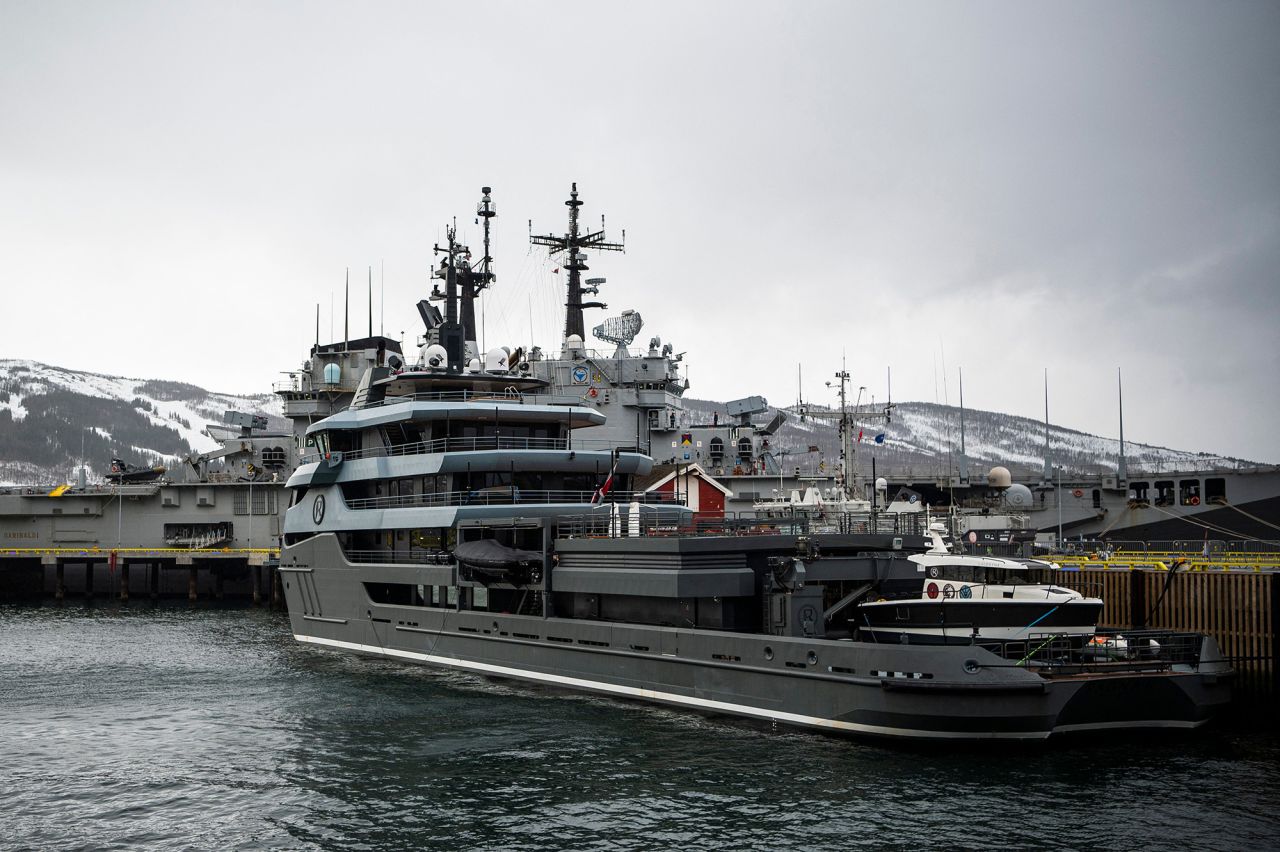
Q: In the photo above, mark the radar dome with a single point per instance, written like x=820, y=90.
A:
x=882, y=484
x=434, y=357
x=1017, y=497
x=999, y=477
x=495, y=360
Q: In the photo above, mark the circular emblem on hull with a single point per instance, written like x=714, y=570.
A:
x=317, y=509
x=966, y=592
x=932, y=591
x=579, y=375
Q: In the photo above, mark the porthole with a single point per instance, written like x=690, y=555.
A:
x=768, y=652
x=813, y=658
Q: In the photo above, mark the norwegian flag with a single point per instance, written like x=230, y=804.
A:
x=599, y=495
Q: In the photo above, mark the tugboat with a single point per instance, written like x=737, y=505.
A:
x=454, y=517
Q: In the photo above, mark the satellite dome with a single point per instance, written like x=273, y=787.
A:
x=495, y=360
x=999, y=477
x=473, y=366
x=882, y=484
x=434, y=357
x=1017, y=496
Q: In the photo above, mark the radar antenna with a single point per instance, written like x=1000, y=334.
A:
x=621, y=330
x=572, y=244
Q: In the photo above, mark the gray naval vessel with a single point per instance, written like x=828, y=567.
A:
x=461, y=513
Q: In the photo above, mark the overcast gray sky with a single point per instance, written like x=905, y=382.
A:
x=1000, y=187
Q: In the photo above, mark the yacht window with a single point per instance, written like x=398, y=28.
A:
x=1215, y=491
x=1189, y=492
x=343, y=440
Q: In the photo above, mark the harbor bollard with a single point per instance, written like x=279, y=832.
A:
x=124, y=581
x=191, y=584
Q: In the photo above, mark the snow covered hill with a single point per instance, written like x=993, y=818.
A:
x=53, y=419
x=48, y=414
x=924, y=436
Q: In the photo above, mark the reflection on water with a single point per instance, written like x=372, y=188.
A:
x=210, y=728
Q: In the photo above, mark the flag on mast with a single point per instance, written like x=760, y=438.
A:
x=599, y=495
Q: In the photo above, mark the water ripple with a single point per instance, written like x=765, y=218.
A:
x=166, y=727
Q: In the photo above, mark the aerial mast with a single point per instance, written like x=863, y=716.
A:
x=572, y=244
x=451, y=331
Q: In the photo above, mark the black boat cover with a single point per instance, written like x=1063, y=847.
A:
x=490, y=553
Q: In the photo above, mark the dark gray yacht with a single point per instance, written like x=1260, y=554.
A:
x=457, y=515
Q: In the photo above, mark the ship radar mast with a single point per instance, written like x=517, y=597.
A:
x=463, y=283
x=572, y=245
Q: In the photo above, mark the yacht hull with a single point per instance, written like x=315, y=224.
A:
x=939, y=692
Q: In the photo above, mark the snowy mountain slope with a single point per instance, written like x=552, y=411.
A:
x=48, y=414
x=926, y=436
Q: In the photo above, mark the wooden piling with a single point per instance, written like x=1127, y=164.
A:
x=277, y=591
x=1239, y=609
x=155, y=581
x=88, y=580
x=218, y=582
x=124, y=580
x=255, y=574
x=191, y=583
x=59, y=581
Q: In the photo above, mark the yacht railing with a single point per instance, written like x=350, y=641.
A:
x=415, y=557
x=1125, y=650
x=684, y=523
x=504, y=496
x=508, y=395
x=464, y=445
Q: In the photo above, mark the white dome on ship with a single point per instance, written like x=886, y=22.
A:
x=1017, y=496
x=434, y=357
x=882, y=484
x=999, y=477
x=495, y=360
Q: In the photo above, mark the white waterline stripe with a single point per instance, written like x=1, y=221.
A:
x=673, y=698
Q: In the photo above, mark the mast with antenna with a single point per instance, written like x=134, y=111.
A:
x=346, y=312
x=470, y=281
x=452, y=336
x=1048, y=466
x=572, y=245
x=1122, y=470
x=964, y=459
x=371, y=301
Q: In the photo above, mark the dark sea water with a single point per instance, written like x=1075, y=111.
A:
x=176, y=728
